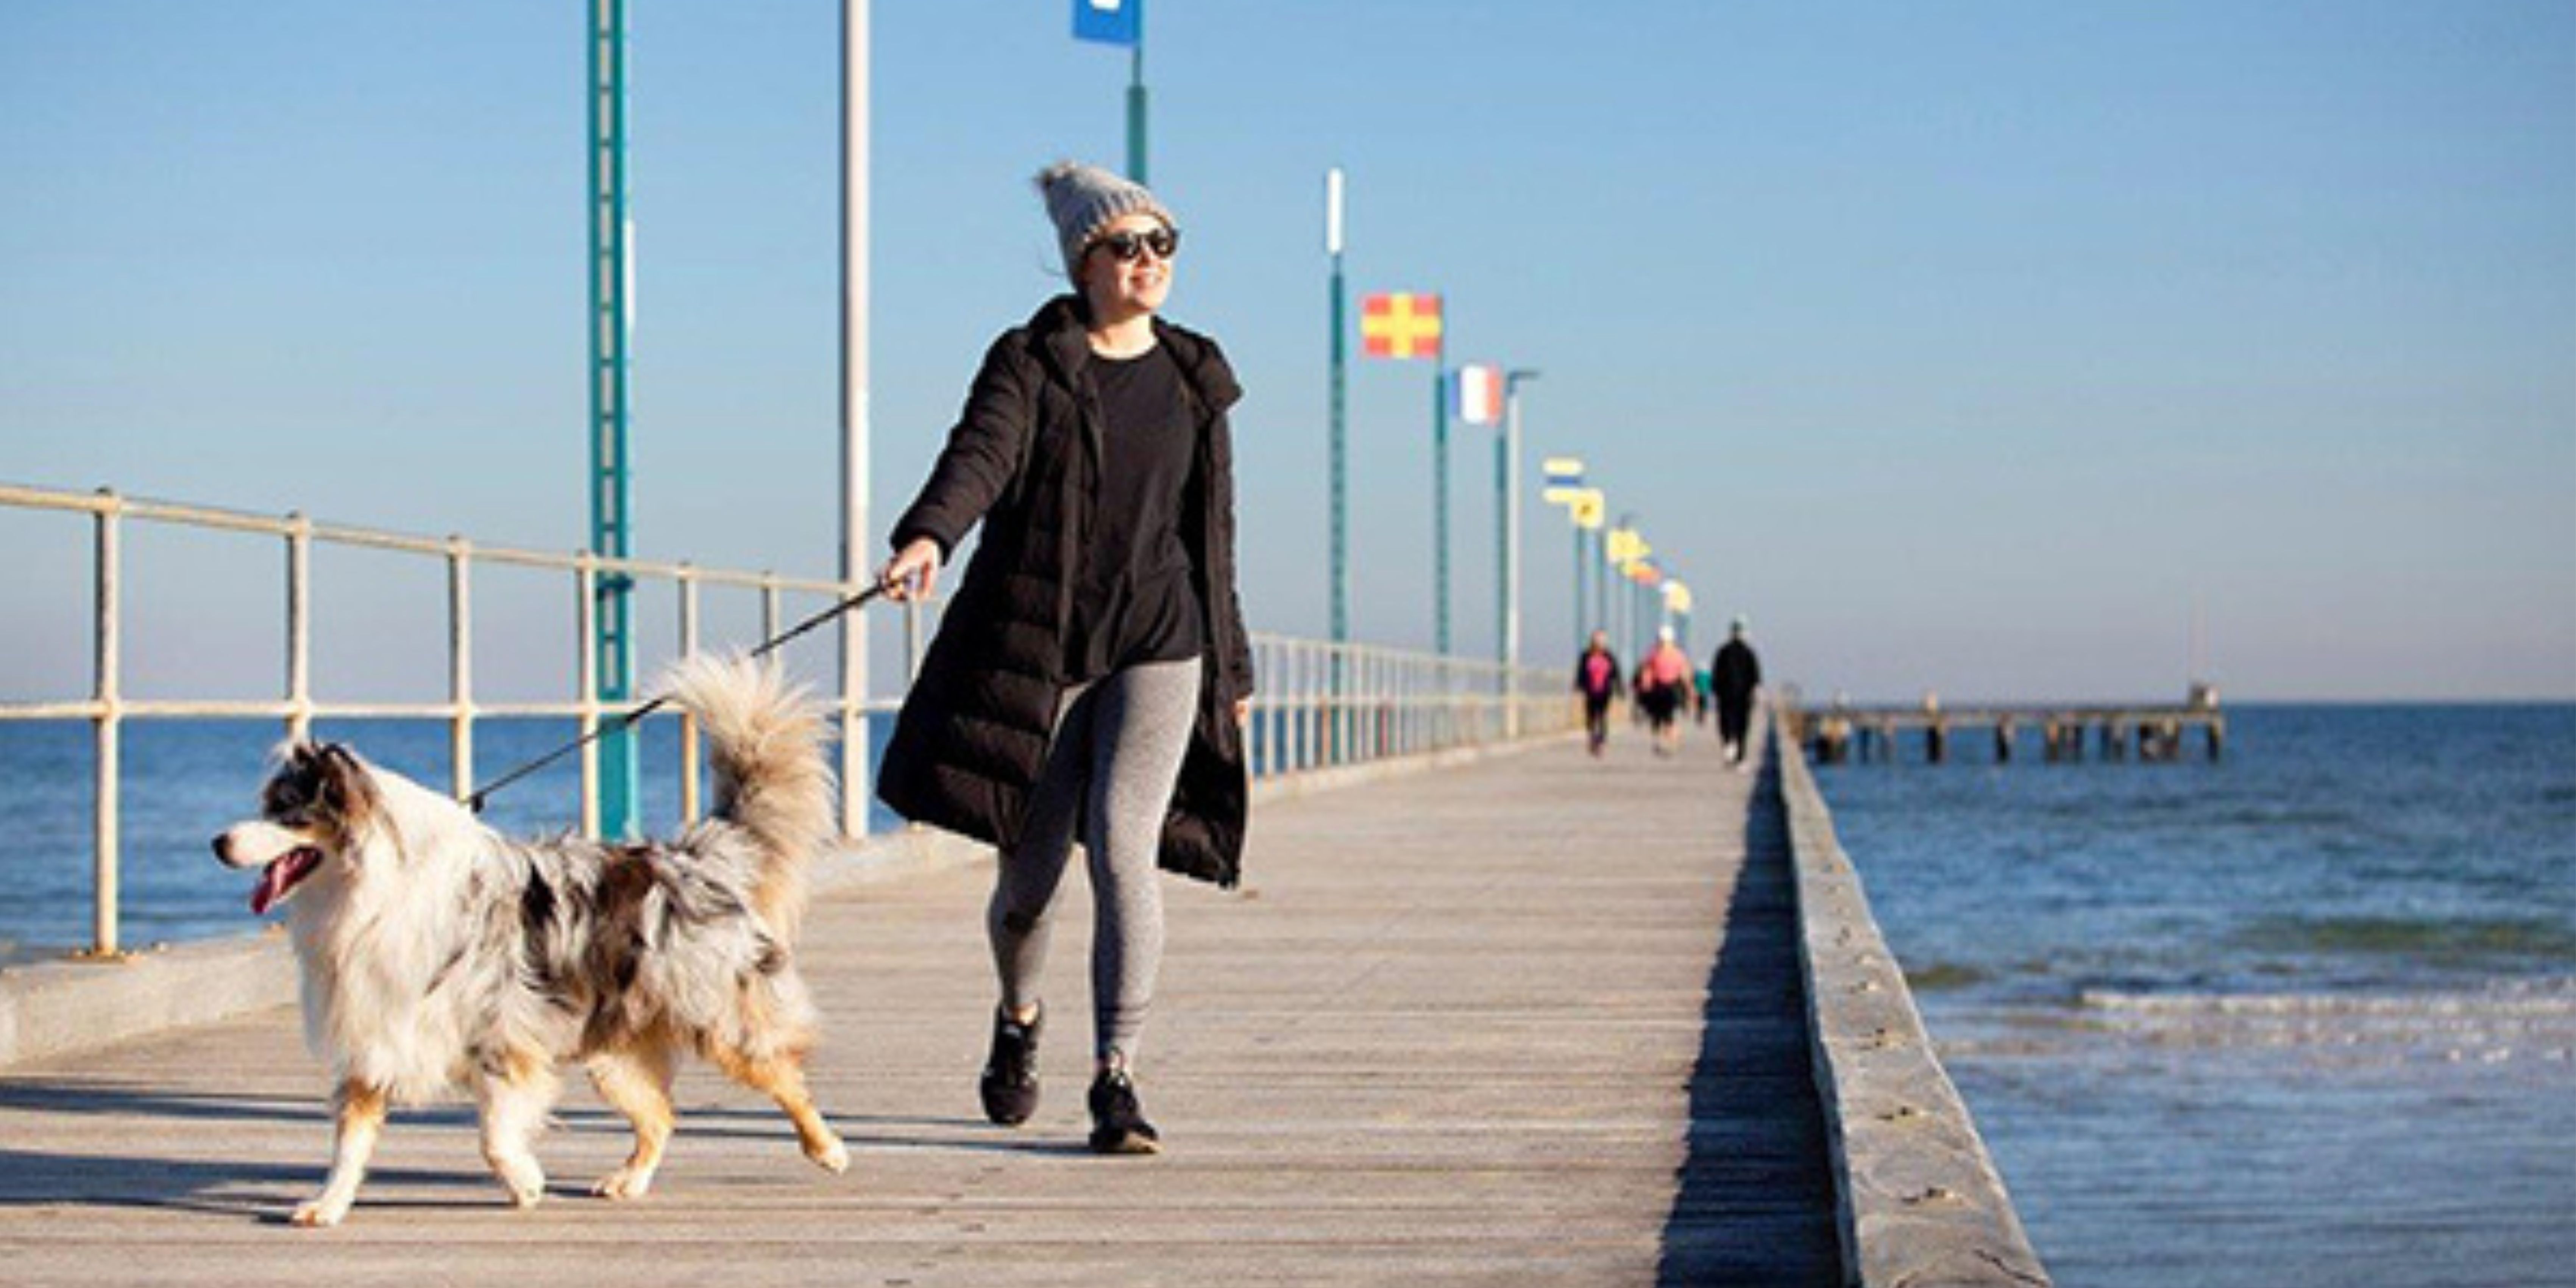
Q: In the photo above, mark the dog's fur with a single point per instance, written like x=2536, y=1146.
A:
x=438, y=955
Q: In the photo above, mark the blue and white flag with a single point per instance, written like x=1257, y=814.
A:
x=1110, y=22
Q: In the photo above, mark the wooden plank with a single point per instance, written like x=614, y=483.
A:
x=1534, y=1019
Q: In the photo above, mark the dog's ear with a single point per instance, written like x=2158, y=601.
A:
x=295, y=786
x=342, y=784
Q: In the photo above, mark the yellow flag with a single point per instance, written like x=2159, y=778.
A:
x=1586, y=508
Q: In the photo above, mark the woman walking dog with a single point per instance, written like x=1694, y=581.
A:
x=1090, y=679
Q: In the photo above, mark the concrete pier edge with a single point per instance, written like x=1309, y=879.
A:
x=64, y=1006
x=1917, y=1196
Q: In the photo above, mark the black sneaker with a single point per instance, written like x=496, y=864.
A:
x=1010, y=1082
x=1118, y=1126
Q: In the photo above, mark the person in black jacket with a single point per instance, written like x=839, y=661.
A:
x=1090, y=680
x=1734, y=673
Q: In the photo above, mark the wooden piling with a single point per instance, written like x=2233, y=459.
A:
x=2146, y=733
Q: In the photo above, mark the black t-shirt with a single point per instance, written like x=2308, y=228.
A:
x=1135, y=603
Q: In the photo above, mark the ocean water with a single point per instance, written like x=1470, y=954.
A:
x=2306, y=1016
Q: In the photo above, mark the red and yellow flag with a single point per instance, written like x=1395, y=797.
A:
x=1400, y=325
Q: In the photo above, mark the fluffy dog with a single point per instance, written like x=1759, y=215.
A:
x=438, y=955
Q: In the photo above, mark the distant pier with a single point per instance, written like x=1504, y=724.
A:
x=2064, y=733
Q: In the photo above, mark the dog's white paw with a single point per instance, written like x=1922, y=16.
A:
x=834, y=1157
x=526, y=1183
x=624, y=1183
x=319, y=1214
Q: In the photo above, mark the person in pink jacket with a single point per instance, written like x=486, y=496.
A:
x=1596, y=676
x=1663, y=684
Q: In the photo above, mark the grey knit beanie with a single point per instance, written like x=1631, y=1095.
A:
x=1083, y=199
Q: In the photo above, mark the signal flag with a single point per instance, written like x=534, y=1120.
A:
x=1400, y=324
x=1586, y=509
x=1480, y=395
x=1109, y=22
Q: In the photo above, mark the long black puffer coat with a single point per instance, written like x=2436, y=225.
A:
x=1025, y=458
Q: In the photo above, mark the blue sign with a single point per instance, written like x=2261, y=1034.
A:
x=1110, y=22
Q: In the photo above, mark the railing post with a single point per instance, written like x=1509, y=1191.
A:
x=1341, y=721
x=108, y=727
x=911, y=641
x=690, y=805
x=299, y=627
x=1302, y=713
x=1249, y=729
x=586, y=685
x=853, y=717
x=460, y=664
x=1309, y=711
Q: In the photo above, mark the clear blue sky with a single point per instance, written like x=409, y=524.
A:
x=1963, y=346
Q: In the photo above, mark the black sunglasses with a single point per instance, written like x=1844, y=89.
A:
x=1126, y=246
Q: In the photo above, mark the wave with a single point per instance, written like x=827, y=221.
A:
x=1945, y=976
x=2529, y=1025
x=2544, y=1000
x=2446, y=940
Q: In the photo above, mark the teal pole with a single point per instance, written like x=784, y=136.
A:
x=611, y=326
x=1581, y=636
x=1507, y=519
x=1341, y=590
x=1340, y=374
x=1440, y=500
x=1136, y=99
x=1600, y=561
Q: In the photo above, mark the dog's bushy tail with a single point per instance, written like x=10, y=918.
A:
x=765, y=741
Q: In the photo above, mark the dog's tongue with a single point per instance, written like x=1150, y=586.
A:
x=281, y=875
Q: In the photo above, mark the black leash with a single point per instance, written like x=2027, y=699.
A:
x=475, y=801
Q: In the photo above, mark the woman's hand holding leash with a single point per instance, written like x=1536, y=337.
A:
x=913, y=571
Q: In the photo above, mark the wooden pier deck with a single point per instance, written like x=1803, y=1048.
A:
x=1532, y=1020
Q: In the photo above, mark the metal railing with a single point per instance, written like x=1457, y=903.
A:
x=1320, y=705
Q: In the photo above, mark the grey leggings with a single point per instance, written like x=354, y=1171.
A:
x=1109, y=773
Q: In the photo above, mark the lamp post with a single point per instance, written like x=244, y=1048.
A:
x=612, y=321
x=1341, y=589
x=1564, y=476
x=1507, y=512
x=1606, y=560
x=1507, y=515
x=1341, y=622
x=1136, y=99
x=1440, y=497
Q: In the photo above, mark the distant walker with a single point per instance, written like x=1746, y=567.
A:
x=1734, y=674
x=1596, y=676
